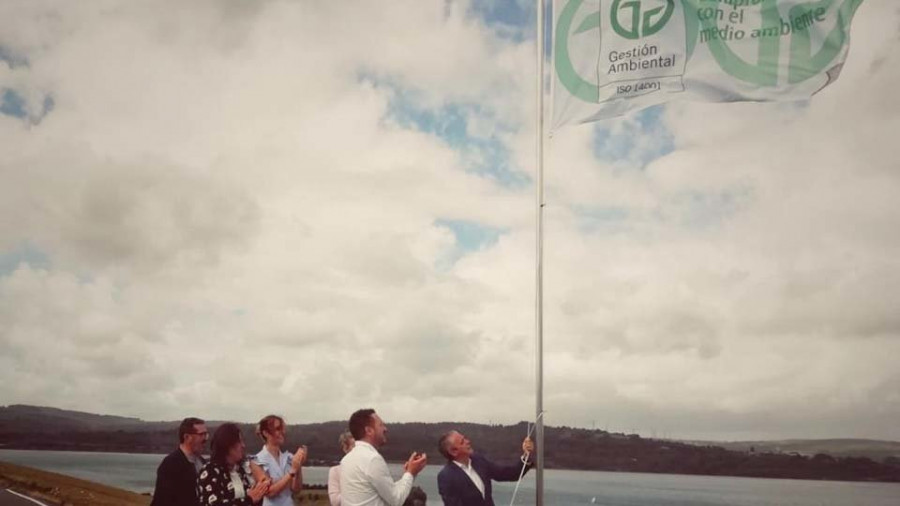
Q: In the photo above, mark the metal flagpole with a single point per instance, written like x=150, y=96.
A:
x=539, y=260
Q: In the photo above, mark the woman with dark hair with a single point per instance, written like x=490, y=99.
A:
x=282, y=469
x=222, y=481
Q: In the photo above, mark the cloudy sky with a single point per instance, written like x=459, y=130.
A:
x=230, y=208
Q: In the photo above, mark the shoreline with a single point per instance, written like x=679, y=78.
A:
x=58, y=489
x=61, y=489
x=326, y=464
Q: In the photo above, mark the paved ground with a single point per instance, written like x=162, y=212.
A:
x=8, y=498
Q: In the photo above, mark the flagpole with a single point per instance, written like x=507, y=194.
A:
x=539, y=261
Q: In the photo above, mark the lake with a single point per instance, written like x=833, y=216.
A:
x=138, y=473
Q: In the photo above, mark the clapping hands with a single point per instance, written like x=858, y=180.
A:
x=416, y=463
x=258, y=491
x=299, y=458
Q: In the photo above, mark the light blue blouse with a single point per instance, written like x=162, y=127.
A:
x=276, y=469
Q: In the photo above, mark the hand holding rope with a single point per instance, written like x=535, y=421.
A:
x=525, y=456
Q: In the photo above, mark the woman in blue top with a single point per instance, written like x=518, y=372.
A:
x=281, y=468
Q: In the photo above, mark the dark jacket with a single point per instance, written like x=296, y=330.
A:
x=457, y=489
x=176, y=481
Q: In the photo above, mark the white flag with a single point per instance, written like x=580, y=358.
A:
x=614, y=56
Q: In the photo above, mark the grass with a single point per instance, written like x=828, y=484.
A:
x=62, y=490
x=312, y=497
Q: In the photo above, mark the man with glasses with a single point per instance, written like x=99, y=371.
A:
x=176, y=476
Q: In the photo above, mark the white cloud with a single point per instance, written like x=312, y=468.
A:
x=234, y=227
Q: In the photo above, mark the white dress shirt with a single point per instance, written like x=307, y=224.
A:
x=470, y=471
x=366, y=480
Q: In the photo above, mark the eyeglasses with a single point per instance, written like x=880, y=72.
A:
x=201, y=434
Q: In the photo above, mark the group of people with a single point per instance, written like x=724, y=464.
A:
x=271, y=476
x=229, y=478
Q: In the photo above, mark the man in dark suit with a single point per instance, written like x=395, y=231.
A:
x=466, y=479
x=176, y=476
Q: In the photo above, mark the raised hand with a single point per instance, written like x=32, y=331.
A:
x=299, y=458
x=528, y=446
x=416, y=463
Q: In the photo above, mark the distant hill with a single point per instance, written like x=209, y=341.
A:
x=871, y=448
x=30, y=427
x=24, y=418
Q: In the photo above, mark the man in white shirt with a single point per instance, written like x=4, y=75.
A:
x=365, y=478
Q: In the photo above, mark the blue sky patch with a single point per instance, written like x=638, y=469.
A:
x=692, y=210
x=486, y=156
x=48, y=105
x=12, y=59
x=25, y=254
x=470, y=236
x=703, y=210
x=12, y=104
x=635, y=141
x=510, y=19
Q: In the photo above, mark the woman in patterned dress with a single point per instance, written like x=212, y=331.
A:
x=223, y=481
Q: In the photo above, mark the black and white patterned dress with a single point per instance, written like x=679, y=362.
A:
x=216, y=486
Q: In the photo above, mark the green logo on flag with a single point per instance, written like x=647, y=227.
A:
x=652, y=22
x=638, y=29
x=568, y=76
x=745, y=38
x=795, y=27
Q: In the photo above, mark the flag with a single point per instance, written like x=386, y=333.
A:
x=610, y=57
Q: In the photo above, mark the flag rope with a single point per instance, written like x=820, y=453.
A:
x=524, y=458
